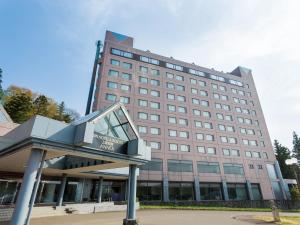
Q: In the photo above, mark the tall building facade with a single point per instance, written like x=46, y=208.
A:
x=206, y=128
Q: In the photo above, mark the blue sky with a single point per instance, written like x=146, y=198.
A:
x=49, y=45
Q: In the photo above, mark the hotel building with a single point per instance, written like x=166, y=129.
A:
x=206, y=128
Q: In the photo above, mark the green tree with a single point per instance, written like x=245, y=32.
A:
x=282, y=154
x=295, y=194
x=19, y=107
x=296, y=146
x=41, y=105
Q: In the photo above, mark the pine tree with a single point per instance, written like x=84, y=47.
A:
x=296, y=146
x=41, y=105
x=282, y=154
x=19, y=107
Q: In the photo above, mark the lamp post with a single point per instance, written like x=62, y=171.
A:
x=294, y=164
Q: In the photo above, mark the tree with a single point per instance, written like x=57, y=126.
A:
x=19, y=107
x=41, y=105
x=295, y=194
x=296, y=146
x=282, y=154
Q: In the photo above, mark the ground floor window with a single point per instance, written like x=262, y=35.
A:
x=256, y=192
x=149, y=191
x=8, y=191
x=211, y=191
x=237, y=191
x=181, y=191
x=277, y=190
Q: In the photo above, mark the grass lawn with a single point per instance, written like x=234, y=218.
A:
x=285, y=220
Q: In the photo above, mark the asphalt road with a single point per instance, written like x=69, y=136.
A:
x=155, y=217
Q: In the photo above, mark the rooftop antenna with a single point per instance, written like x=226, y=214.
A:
x=92, y=85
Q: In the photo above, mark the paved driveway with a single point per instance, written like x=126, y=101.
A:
x=153, y=217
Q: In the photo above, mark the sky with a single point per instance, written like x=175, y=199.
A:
x=49, y=45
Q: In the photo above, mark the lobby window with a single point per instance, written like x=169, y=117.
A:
x=142, y=129
x=155, y=72
x=112, y=85
x=180, y=165
x=181, y=191
x=115, y=62
x=208, y=167
x=182, y=109
x=155, y=131
x=111, y=97
x=172, y=133
x=170, y=85
x=237, y=191
x=201, y=149
x=154, y=82
x=143, y=103
x=153, y=165
x=180, y=88
x=149, y=191
x=125, y=100
x=126, y=65
x=155, y=145
x=173, y=147
x=211, y=151
x=143, y=80
x=230, y=168
x=144, y=69
x=170, y=96
x=196, y=112
x=170, y=75
x=126, y=76
x=143, y=116
x=198, y=123
x=184, y=148
x=180, y=78
x=155, y=105
x=172, y=119
x=211, y=191
x=256, y=192
x=181, y=98
x=113, y=73
x=125, y=87
x=143, y=91
x=155, y=117
x=171, y=108
x=155, y=93
x=183, y=122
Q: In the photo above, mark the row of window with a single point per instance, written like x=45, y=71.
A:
x=202, y=166
x=176, y=67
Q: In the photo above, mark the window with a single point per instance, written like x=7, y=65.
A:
x=209, y=137
x=180, y=166
x=184, y=148
x=155, y=117
x=155, y=72
x=183, y=134
x=182, y=109
x=211, y=191
x=155, y=93
x=180, y=87
x=198, y=123
x=143, y=80
x=149, y=60
x=113, y=73
x=171, y=108
x=170, y=85
x=248, y=154
x=111, y=97
x=195, y=101
x=193, y=81
x=235, y=152
x=155, y=145
x=204, y=103
x=256, y=193
x=181, y=98
x=237, y=191
x=115, y=62
x=222, y=88
x=143, y=103
x=221, y=127
x=230, y=168
x=180, y=78
x=142, y=129
x=206, y=114
x=203, y=93
x=144, y=69
x=201, y=149
x=265, y=155
x=170, y=96
x=181, y=191
x=211, y=151
x=112, y=85
x=256, y=154
x=194, y=91
x=143, y=91
x=173, y=147
x=172, y=120
x=155, y=82
x=143, y=116
x=208, y=167
x=154, y=105
x=230, y=128
x=126, y=76
x=196, y=112
x=199, y=136
x=208, y=125
x=173, y=66
x=155, y=131
x=126, y=65
x=232, y=140
x=218, y=106
x=226, y=151
x=172, y=133
x=170, y=75
x=223, y=139
x=260, y=167
x=220, y=116
x=125, y=100
x=197, y=72
x=125, y=87
x=121, y=53
x=183, y=121
x=251, y=166
x=228, y=118
x=214, y=86
x=202, y=83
